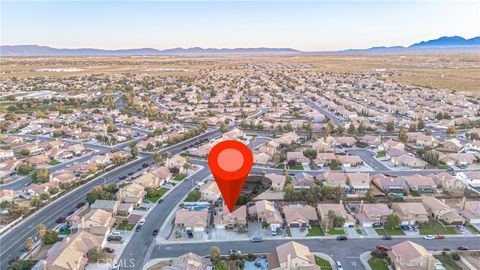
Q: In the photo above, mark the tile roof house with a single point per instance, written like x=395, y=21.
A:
x=422, y=184
x=439, y=210
x=298, y=157
x=298, y=216
x=348, y=161
x=448, y=182
x=333, y=179
x=210, y=191
x=70, y=253
x=132, y=193
x=324, y=159
x=107, y=205
x=409, y=161
x=237, y=220
x=338, y=209
x=374, y=214
x=266, y=211
x=302, y=181
x=292, y=256
x=358, y=182
x=408, y=255
x=278, y=181
x=191, y=219
x=261, y=158
x=7, y=195
x=470, y=210
x=97, y=222
x=63, y=177
x=410, y=213
x=389, y=185
x=189, y=261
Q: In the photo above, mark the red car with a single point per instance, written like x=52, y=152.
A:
x=109, y=250
x=440, y=237
x=382, y=248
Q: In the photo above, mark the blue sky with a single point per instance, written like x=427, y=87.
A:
x=310, y=26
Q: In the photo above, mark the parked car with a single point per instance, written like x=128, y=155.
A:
x=60, y=220
x=114, y=238
x=382, y=248
x=138, y=228
x=234, y=251
x=440, y=237
x=387, y=237
x=155, y=232
x=257, y=239
x=190, y=234
x=342, y=238
x=109, y=250
x=429, y=237
x=461, y=228
x=141, y=222
x=462, y=248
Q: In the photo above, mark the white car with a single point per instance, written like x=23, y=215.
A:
x=141, y=222
x=429, y=237
x=339, y=265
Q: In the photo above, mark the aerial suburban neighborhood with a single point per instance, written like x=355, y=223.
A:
x=362, y=158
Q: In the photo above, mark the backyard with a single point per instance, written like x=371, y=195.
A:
x=448, y=262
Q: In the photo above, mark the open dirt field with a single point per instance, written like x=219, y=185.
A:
x=452, y=72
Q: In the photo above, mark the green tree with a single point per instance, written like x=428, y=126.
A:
x=451, y=130
x=134, y=151
x=390, y=126
x=215, y=255
x=157, y=157
x=403, y=135
x=29, y=244
x=223, y=127
x=221, y=265
x=95, y=254
x=21, y=265
x=25, y=152
x=41, y=230
x=351, y=129
x=420, y=124
x=393, y=221
x=370, y=195
x=50, y=238
x=41, y=175
x=310, y=153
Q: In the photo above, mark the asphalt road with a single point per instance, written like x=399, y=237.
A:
x=368, y=157
x=337, y=120
x=347, y=252
x=12, y=242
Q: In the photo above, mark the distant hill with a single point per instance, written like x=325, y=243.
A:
x=444, y=44
x=35, y=50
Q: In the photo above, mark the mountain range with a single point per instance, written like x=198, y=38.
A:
x=443, y=44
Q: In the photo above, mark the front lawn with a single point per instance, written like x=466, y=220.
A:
x=378, y=264
x=193, y=196
x=381, y=154
x=336, y=231
x=125, y=226
x=296, y=167
x=316, y=230
x=54, y=162
x=324, y=264
x=472, y=229
x=435, y=227
x=154, y=194
x=179, y=177
x=390, y=231
x=281, y=166
x=448, y=262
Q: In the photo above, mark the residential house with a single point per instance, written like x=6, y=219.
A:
x=302, y=181
x=358, y=182
x=373, y=215
x=333, y=179
x=6, y=154
x=236, y=220
x=345, y=141
x=448, y=182
x=298, y=158
x=410, y=213
x=439, y=210
x=452, y=145
x=472, y=178
x=132, y=193
x=189, y=261
x=339, y=209
x=107, y=205
x=470, y=210
x=324, y=159
x=408, y=161
x=292, y=256
x=7, y=195
x=176, y=162
x=70, y=253
x=266, y=211
x=261, y=158
x=392, y=144
x=63, y=177
x=421, y=184
x=97, y=222
x=322, y=146
x=348, y=161
x=278, y=181
x=409, y=255
x=210, y=191
x=191, y=219
x=297, y=216
x=395, y=185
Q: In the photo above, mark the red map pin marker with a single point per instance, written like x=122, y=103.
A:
x=230, y=162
